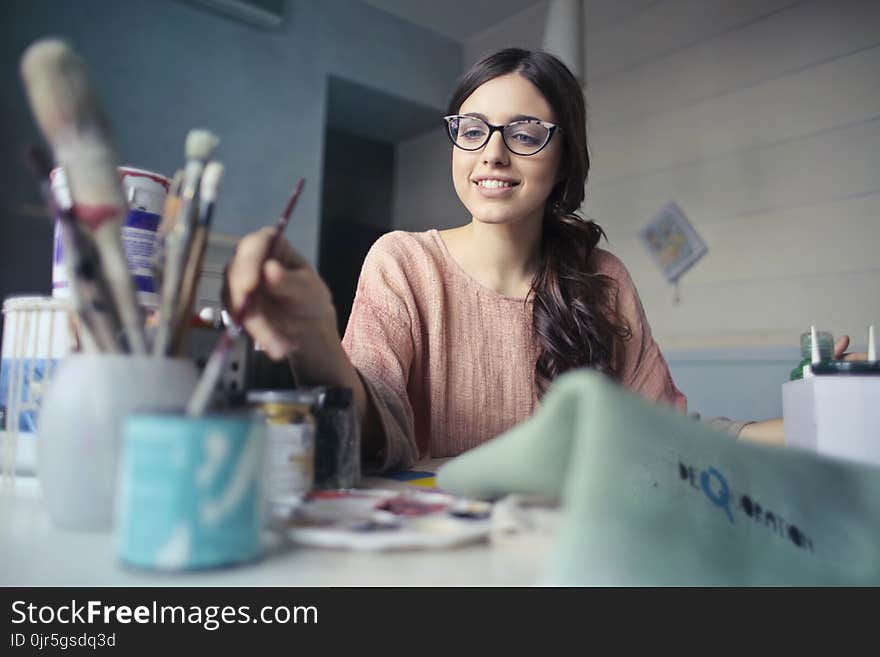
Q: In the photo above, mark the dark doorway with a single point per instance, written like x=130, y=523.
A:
x=363, y=126
x=356, y=210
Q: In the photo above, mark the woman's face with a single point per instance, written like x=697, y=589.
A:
x=500, y=101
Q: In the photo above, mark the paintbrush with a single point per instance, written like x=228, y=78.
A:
x=67, y=111
x=166, y=223
x=98, y=325
x=199, y=146
x=208, y=190
x=172, y=204
x=211, y=374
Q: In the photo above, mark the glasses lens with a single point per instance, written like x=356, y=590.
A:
x=526, y=137
x=468, y=132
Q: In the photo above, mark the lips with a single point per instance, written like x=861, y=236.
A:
x=494, y=187
x=494, y=182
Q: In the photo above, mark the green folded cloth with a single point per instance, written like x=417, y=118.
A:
x=653, y=498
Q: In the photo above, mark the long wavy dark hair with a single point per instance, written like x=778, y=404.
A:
x=575, y=320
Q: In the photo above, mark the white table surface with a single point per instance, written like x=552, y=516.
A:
x=34, y=553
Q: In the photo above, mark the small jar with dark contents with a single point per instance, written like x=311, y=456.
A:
x=338, y=444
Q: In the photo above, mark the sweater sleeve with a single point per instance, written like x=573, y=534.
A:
x=379, y=340
x=645, y=370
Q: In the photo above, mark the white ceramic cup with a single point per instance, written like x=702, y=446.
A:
x=79, y=431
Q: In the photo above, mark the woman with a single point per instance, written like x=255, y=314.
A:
x=454, y=335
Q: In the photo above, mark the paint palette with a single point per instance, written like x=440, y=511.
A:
x=374, y=519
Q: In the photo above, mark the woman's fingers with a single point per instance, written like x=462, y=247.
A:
x=840, y=348
x=250, y=254
x=244, y=271
x=287, y=255
x=291, y=301
x=291, y=286
x=274, y=342
x=304, y=293
x=278, y=280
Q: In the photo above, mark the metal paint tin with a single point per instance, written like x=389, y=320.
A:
x=190, y=491
x=290, y=444
x=145, y=192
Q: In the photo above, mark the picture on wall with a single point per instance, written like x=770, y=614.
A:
x=673, y=243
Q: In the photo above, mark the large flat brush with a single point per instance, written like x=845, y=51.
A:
x=98, y=327
x=67, y=111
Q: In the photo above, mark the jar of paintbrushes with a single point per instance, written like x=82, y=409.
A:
x=118, y=371
x=132, y=372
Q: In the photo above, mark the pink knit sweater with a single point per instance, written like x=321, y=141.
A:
x=449, y=363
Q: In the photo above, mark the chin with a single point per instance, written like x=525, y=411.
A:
x=496, y=219
x=487, y=214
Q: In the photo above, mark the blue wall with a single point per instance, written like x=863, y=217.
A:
x=163, y=67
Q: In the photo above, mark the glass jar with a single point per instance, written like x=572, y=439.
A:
x=290, y=444
x=826, y=351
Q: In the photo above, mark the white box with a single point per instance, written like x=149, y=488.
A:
x=834, y=415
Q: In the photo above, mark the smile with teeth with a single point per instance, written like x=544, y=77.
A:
x=495, y=184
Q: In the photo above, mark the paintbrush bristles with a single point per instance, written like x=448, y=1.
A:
x=210, y=183
x=872, y=345
x=58, y=88
x=815, y=357
x=200, y=144
x=67, y=111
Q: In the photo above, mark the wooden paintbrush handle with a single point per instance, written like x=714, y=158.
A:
x=188, y=289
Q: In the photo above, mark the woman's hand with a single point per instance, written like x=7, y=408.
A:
x=840, y=348
x=292, y=308
x=772, y=432
x=293, y=316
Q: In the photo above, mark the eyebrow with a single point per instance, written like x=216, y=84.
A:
x=518, y=117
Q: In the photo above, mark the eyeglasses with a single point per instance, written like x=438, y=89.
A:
x=471, y=133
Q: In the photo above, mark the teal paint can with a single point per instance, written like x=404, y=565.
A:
x=190, y=491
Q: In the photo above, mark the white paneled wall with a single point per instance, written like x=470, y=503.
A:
x=761, y=118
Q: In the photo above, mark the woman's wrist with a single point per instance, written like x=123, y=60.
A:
x=769, y=432
x=318, y=358
x=324, y=362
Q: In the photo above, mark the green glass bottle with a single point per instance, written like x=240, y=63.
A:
x=826, y=351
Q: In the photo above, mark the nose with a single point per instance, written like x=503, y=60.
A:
x=495, y=152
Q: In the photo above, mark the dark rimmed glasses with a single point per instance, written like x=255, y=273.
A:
x=526, y=137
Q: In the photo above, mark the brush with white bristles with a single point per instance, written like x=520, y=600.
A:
x=67, y=111
x=200, y=144
x=872, y=345
x=208, y=190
